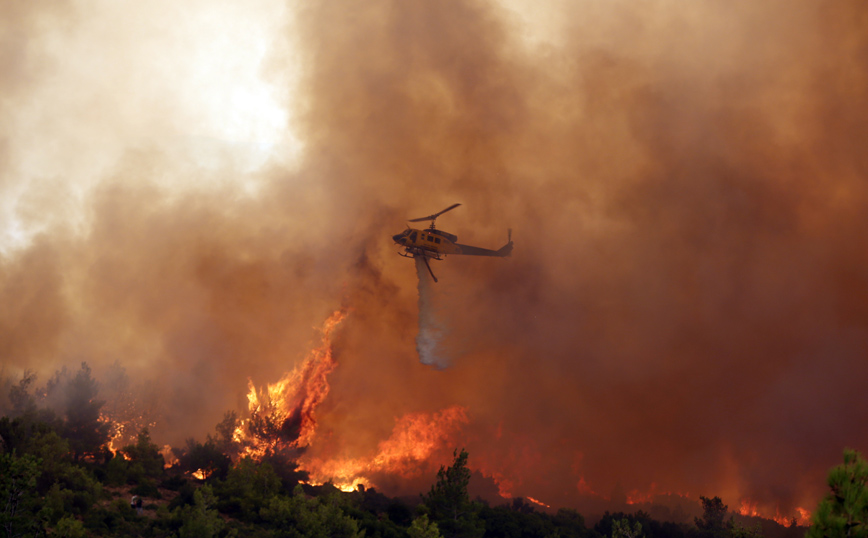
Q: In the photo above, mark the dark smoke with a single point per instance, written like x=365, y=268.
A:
x=686, y=309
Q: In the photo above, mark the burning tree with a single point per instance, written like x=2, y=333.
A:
x=282, y=416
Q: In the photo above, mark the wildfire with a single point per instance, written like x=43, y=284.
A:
x=415, y=437
x=282, y=414
x=748, y=508
x=116, y=434
x=122, y=433
x=584, y=488
x=653, y=494
x=540, y=503
x=752, y=509
x=804, y=516
x=504, y=484
x=637, y=497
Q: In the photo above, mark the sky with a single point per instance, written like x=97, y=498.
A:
x=187, y=191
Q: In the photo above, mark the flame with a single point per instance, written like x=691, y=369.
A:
x=804, y=517
x=584, y=488
x=636, y=497
x=414, y=439
x=748, y=508
x=126, y=416
x=282, y=414
x=540, y=503
x=116, y=433
x=122, y=432
x=505, y=486
x=751, y=508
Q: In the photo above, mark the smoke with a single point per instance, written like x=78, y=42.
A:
x=432, y=331
x=190, y=190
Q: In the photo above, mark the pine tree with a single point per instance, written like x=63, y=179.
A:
x=712, y=524
x=146, y=455
x=84, y=428
x=422, y=528
x=449, y=503
x=622, y=528
x=18, y=495
x=844, y=511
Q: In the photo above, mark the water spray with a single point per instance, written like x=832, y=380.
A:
x=431, y=329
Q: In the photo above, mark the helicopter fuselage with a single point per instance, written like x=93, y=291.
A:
x=433, y=243
x=430, y=243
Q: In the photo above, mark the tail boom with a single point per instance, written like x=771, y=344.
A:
x=469, y=250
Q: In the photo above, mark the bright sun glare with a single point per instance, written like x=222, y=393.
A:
x=207, y=84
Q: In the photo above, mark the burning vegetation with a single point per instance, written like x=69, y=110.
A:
x=256, y=463
x=282, y=416
x=279, y=430
x=282, y=422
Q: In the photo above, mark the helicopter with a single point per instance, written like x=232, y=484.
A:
x=432, y=243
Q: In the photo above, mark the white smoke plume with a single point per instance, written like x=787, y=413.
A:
x=431, y=328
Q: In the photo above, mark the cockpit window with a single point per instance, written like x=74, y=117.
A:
x=413, y=237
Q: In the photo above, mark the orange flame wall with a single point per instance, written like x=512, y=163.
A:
x=685, y=305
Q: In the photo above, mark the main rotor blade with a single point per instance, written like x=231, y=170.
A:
x=435, y=215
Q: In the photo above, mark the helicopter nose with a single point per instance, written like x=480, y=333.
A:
x=397, y=238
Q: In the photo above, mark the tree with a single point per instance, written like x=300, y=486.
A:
x=205, y=458
x=69, y=527
x=144, y=456
x=844, y=511
x=449, y=503
x=18, y=493
x=286, y=468
x=84, y=428
x=569, y=522
x=200, y=520
x=739, y=531
x=247, y=488
x=53, y=451
x=422, y=528
x=712, y=523
x=623, y=528
x=315, y=518
x=226, y=434
x=19, y=395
